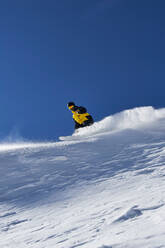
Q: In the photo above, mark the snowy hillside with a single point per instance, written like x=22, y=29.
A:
x=103, y=188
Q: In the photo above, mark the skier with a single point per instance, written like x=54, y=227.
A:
x=80, y=116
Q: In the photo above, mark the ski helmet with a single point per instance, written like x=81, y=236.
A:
x=71, y=104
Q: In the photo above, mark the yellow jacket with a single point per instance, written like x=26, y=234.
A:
x=80, y=118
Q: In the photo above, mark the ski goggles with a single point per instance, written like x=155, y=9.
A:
x=71, y=107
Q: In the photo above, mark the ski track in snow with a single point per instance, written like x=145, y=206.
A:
x=104, y=188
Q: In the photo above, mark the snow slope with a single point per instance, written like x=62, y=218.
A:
x=103, y=188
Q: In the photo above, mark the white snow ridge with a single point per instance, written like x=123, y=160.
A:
x=104, y=187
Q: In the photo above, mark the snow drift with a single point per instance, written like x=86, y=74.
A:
x=128, y=119
x=103, y=188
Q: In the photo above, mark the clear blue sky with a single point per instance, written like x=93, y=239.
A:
x=106, y=55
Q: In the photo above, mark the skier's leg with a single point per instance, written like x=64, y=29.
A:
x=88, y=122
x=77, y=125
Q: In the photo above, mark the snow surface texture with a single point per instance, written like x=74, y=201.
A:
x=103, y=188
